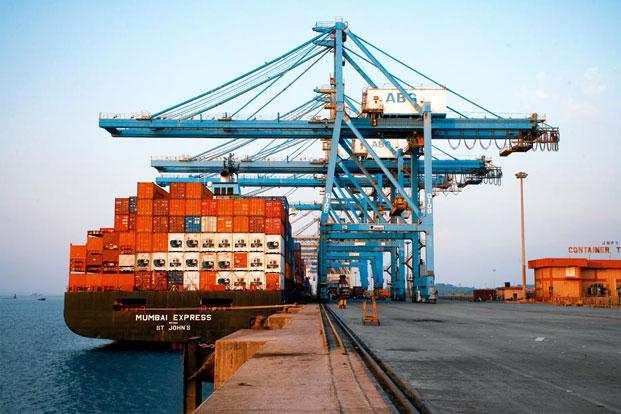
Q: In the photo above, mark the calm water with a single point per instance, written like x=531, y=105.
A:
x=45, y=368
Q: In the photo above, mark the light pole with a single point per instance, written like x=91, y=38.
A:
x=520, y=176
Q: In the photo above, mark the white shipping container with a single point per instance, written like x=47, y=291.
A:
x=239, y=280
x=208, y=261
x=143, y=261
x=257, y=242
x=274, y=263
x=160, y=261
x=256, y=261
x=191, y=261
x=225, y=261
x=379, y=147
x=392, y=102
x=192, y=242
x=209, y=224
x=274, y=243
x=127, y=262
x=191, y=280
x=256, y=280
x=175, y=261
x=226, y=279
x=175, y=242
x=208, y=242
x=224, y=242
x=241, y=242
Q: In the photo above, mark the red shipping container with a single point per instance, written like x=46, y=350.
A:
x=160, y=207
x=272, y=281
x=224, y=224
x=110, y=257
x=275, y=209
x=192, y=207
x=225, y=207
x=160, y=242
x=144, y=207
x=143, y=280
x=127, y=242
x=121, y=206
x=209, y=207
x=176, y=207
x=240, y=224
x=256, y=224
x=151, y=191
x=160, y=224
x=256, y=206
x=207, y=280
x=132, y=222
x=111, y=241
x=274, y=226
x=125, y=282
x=144, y=242
x=177, y=190
x=77, y=258
x=77, y=282
x=240, y=260
x=94, y=244
x=159, y=281
x=176, y=224
x=197, y=191
x=241, y=207
x=121, y=222
x=144, y=223
x=94, y=259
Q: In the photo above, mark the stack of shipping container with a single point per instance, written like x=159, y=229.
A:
x=187, y=240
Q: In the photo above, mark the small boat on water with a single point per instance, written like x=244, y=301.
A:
x=41, y=299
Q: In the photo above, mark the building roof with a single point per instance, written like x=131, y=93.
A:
x=574, y=262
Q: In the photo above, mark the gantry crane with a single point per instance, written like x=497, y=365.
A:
x=380, y=169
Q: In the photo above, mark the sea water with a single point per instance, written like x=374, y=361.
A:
x=46, y=368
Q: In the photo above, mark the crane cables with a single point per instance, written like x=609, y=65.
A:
x=268, y=72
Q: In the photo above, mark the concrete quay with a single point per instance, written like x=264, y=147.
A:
x=500, y=358
x=290, y=368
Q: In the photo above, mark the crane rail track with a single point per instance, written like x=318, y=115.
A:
x=405, y=399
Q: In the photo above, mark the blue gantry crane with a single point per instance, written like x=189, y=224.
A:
x=381, y=164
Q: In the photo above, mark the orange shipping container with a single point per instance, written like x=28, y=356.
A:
x=160, y=242
x=256, y=224
x=241, y=207
x=144, y=242
x=176, y=207
x=127, y=242
x=132, y=222
x=94, y=244
x=160, y=224
x=151, y=191
x=240, y=260
x=144, y=207
x=177, y=190
x=256, y=206
x=207, y=280
x=144, y=223
x=224, y=224
x=225, y=207
x=209, y=207
x=160, y=207
x=176, y=224
x=111, y=241
x=272, y=281
x=77, y=251
x=197, y=191
x=121, y=222
x=110, y=257
x=77, y=282
x=274, y=226
x=274, y=209
x=121, y=206
x=192, y=207
x=241, y=224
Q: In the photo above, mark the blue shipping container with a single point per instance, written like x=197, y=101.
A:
x=133, y=205
x=192, y=224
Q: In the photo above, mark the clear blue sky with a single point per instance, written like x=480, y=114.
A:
x=64, y=62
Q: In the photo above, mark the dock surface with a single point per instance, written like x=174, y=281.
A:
x=290, y=370
x=504, y=358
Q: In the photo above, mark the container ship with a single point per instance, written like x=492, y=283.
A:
x=182, y=264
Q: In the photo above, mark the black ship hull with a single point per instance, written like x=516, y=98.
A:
x=166, y=316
